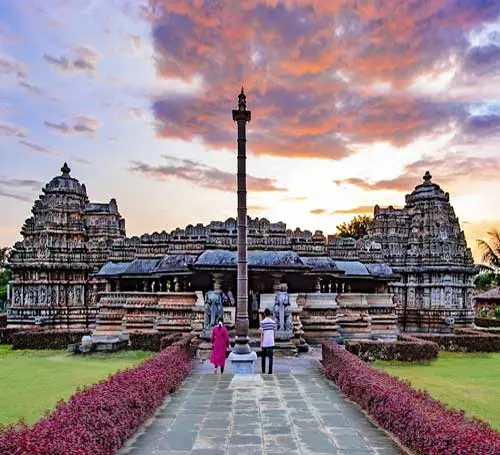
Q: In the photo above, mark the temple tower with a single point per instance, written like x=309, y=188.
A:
x=242, y=116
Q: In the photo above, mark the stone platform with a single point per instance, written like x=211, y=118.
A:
x=295, y=411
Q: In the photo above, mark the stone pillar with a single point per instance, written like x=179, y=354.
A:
x=276, y=282
x=317, y=287
x=118, y=285
x=108, y=286
x=217, y=281
x=160, y=285
x=177, y=285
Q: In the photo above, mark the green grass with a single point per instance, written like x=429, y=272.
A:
x=460, y=380
x=34, y=381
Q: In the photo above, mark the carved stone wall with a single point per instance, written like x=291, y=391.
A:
x=64, y=241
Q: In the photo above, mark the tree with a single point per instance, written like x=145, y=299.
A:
x=356, y=228
x=5, y=275
x=490, y=268
x=491, y=251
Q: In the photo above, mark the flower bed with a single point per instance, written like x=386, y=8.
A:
x=421, y=423
x=406, y=349
x=98, y=420
x=487, y=322
x=465, y=340
x=39, y=339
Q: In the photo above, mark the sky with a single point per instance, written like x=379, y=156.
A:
x=352, y=101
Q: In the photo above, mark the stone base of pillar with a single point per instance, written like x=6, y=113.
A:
x=243, y=363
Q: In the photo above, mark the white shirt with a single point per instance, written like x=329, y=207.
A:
x=267, y=327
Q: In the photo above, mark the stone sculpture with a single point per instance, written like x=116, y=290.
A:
x=282, y=313
x=213, y=308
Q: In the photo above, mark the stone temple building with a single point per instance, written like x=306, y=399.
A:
x=76, y=267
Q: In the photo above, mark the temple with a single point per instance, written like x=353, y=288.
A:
x=76, y=267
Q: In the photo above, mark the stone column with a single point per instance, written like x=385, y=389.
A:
x=317, y=287
x=217, y=281
x=177, y=286
x=243, y=358
x=276, y=282
x=118, y=285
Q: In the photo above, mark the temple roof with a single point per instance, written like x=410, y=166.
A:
x=274, y=259
x=320, y=263
x=113, y=268
x=492, y=294
x=141, y=266
x=353, y=268
x=175, y=263
x=98, y=207
x=286, y=260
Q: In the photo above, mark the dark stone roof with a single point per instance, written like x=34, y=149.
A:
x=141, y=266
x=379, y=269
x=175, y=263
x=256, y=259
x=113, y=268
x=352, y=268
x=492, y=294
x=320, y=263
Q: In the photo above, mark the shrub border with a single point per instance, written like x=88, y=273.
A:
x=464, y=340
x=405, y=349
x=419, y=422
x=99, y=419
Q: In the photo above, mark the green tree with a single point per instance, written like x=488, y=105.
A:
x=5, y=275
x=491, y=251
x=356, y=228
x=486, y=280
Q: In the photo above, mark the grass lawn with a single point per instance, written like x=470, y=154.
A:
x=34, y=381
x=460, y=380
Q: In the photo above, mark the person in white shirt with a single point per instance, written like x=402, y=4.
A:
x=267, y=330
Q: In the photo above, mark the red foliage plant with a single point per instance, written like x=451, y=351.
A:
x=422, y=424
x=98, y=420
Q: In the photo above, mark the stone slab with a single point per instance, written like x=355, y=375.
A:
x=287, y=413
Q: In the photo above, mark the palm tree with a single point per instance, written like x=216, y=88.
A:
x=491, y=252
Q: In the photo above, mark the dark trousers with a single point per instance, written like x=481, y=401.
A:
x=267, y=352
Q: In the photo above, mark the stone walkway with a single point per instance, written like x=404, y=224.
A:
x=294, y=411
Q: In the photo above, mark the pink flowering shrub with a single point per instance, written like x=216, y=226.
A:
x=98, y=420
x=421, y=423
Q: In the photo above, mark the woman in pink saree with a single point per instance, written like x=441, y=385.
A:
x=220, y=344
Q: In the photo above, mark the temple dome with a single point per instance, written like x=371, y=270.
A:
x=427, y=191
x=64, y=183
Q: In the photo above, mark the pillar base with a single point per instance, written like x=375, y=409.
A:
x=242, y=363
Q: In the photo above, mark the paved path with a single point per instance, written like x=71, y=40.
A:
x=295, y=411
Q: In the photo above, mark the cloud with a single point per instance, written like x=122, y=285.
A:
x=294, y=199
x=258, y=208
x=10, y=66
x=38, y=148
x=19, y=189
x=9, y=129
x=80, y=124
x=311, y=70
x=482, y=60
x=81, y=59
x=30, y=87
x=454, y=171
x=202, y=175
x=318, y=211
x=359, y=210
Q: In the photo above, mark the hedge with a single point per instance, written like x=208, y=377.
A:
x=405, y=349
x=40, y=339
x=145, y=341
x=168, y=340
x=421, y=423
x=487, y=322
x=3, y=320
x=465, y=340
x=98, y=420
x=6, y=335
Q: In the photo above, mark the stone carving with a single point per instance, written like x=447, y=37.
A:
x=213, y=307
x=282, y=313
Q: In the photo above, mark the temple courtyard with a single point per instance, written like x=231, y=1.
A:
x=293, y=411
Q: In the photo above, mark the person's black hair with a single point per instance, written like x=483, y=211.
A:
x=267, y=312
x=220, y=322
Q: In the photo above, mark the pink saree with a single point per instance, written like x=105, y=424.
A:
x=220, y=343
